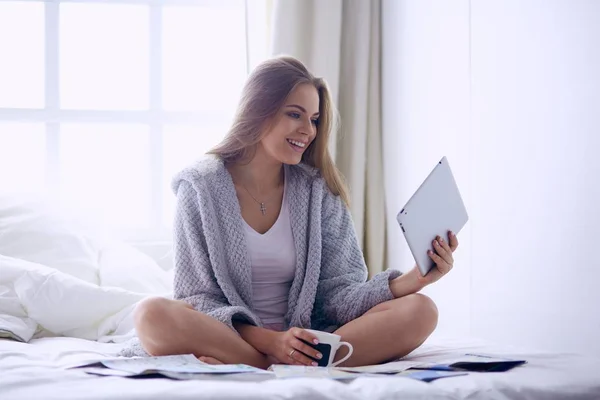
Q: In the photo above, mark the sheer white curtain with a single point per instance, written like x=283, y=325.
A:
x=340, y=41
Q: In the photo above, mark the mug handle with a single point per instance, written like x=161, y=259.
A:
x=350, y=350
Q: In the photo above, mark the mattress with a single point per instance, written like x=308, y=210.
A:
x=35, y=370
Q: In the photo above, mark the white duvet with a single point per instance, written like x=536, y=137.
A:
x=57, y=278
x=35, y=371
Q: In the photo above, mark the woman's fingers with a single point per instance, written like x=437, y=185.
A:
x=295, y=350
x=436, y=259
x=305, y=335
x=442, y=249
x=453, y=240
x=306, y=349
x=442, y=265
x=442, y=256
x=446, y=247
x=300, y=358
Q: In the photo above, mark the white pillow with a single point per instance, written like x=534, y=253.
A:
x=46, y=233
x=123, y=266
x=32, y=294
x=39, y=232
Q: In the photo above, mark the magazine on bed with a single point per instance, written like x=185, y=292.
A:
x=473, y=363
x=176, y=367
x=189, y=367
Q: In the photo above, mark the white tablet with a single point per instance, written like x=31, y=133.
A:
x=434, y=209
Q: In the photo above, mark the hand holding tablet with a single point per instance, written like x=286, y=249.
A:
x=435, y=210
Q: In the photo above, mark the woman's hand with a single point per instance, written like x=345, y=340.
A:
x=442, y=257
x=413, y=281
x=289, y=349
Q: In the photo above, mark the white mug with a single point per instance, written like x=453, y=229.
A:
x=329, y=343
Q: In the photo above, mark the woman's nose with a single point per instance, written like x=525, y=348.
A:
x=308, y=128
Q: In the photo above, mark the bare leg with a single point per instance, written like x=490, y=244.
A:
x=389, y=330
x=173, y=327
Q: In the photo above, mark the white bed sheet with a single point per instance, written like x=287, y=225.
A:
x=32, y=371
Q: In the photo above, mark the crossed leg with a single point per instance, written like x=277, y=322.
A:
x=168, y=327
x=387, y=331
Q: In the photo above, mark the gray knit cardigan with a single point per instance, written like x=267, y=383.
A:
x=212, y=267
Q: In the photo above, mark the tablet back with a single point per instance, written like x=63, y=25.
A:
x=434, y=209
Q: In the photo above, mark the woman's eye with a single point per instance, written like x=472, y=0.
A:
x=315, y=122
x=294, y=115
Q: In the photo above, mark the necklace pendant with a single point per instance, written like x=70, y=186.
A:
x=263, y=209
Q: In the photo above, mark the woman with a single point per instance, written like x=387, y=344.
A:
x=265, y=245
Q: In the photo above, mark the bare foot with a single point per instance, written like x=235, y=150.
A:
x=210, y=360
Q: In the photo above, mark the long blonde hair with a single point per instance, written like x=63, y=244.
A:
x=264, y=94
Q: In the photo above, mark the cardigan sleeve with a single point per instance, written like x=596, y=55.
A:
x=194, y=278
x=343, y=292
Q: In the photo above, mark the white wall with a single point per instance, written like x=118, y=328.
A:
x=536, y=126
x=426, y=116
x=530, y=170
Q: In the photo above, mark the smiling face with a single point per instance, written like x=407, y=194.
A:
x=294, y=127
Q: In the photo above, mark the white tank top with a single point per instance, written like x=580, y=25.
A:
x=273, y=260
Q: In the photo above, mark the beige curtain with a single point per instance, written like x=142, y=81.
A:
x=340, y=41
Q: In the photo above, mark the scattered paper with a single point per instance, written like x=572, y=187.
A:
x=474, y=363
x=177, y=364
x=249, y=377
x=189, y=367
x=388, y=368
x=106, y=371
x=428, y=376
x=299, y=371
x=480, y=358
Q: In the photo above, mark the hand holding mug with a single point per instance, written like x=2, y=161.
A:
x=329, y=344
x=290, y=347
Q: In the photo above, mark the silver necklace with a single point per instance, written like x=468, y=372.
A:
x=262, y=204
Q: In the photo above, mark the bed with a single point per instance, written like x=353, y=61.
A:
x=68, y=295
x=35, y=371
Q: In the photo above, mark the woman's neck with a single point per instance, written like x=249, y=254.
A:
x=261, y=175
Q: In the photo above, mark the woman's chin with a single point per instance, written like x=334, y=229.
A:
x=291, y=159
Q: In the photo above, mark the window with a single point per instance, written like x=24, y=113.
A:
x=102, y=102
